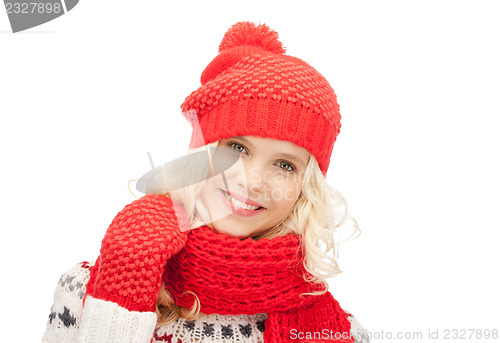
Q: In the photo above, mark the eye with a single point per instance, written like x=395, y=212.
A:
x=288, y=166
x=236, y=146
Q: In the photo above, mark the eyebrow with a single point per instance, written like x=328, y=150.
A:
x=290, y=156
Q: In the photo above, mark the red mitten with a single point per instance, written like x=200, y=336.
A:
x=126, y=279
x=135, y=250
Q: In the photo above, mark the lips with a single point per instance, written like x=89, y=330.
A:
x=243, y=199
x=240, y=211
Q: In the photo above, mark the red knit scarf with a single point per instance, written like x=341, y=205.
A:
x=233, y=276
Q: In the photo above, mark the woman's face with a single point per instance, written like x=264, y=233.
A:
x=267, y=179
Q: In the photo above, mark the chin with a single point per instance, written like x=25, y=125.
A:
x=231, y=233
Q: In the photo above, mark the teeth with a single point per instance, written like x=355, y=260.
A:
x=240, y=204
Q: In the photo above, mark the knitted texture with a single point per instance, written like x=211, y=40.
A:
x=107, y=322
x=63, y=324
x=65, y=313
x=134, y=251
x=214, y=328
x=233, y=276
x=253, y=88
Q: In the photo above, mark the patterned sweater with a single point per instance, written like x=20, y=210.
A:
x=64, y=320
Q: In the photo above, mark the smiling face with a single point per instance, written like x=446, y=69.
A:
x=259, y=190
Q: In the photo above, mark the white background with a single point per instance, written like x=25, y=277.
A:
x=84, y=98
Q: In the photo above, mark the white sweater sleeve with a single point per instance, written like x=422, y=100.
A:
x=98, y=321
x=64, y=317
x=107, y=322
x=358, y=332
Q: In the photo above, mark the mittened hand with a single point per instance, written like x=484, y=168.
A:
x=135, y=250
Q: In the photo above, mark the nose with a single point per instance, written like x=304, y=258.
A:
x=249, y=175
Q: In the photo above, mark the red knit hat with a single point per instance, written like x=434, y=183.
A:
x=252, y=88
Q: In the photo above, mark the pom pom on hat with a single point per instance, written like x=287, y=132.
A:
x=240, y=40
x=247, y=33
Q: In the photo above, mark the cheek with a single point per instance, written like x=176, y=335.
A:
x=287, y=194
x=209, y=193
x=213, y=183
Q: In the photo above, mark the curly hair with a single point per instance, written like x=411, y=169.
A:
x=320, y=216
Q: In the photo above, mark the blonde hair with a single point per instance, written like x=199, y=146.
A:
x=319, y=215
